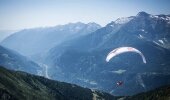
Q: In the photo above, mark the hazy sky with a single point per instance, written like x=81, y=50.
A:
x=19, y=14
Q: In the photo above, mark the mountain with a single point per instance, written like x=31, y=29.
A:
x=5, y=33
x=15, y=61
x=22, y=86
x=30, y=42
x=153, y=28
x=82, y=60
x=162, y=93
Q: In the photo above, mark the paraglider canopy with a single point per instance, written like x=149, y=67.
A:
x=121, y=50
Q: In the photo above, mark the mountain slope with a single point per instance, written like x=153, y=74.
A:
x=23, y=86
x=13, y=60
x=82, y=61
x=5, y=33
x=162, y=93
x=35, y=41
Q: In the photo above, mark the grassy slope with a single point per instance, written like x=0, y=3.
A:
x=23, y=86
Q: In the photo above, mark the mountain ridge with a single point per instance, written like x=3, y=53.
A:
x=39, y=40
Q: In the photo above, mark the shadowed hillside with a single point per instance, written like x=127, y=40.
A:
x=23, y=86
x=157, y=94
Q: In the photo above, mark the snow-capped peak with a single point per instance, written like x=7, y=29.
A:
x=142, y=13
x=123, y=20
x=120, y=21
x=161, y=17
x=161, y=41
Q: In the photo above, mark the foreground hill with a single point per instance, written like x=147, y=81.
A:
x=22, y=86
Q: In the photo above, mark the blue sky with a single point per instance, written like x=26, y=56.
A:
x=20, y=14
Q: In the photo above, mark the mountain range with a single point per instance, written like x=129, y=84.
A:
x=82, y=61
x=40, y=40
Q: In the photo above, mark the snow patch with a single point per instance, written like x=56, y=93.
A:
x=142, y=30
x=112, y=25
x=88, y=81
x=161, y=41
x=139, y=79
x=123, y=20
x=140, y=36
x=93, y=83
x=156, y=43
x=120, y=71
x=156, y=16
x=112, y=91
x=167, y=18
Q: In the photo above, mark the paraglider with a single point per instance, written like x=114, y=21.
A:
x=119, y=83
x=121, y=50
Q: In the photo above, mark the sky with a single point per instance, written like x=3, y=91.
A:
x=21, y=14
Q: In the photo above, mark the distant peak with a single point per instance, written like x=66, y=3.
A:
x=120, y=21
x=76, y=23
x=93, y=24
x=123, y=20
x=79, y=23
x=142, y=13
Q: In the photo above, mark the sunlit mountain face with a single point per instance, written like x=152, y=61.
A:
x=15, y=61
x=35, y=41
x=76, y=53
